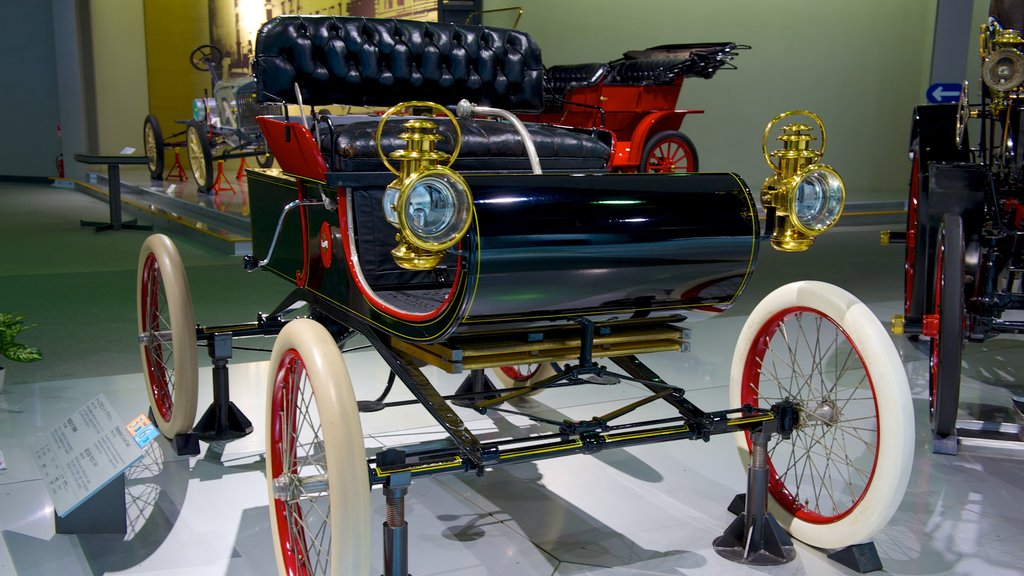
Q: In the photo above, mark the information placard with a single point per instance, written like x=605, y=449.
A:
x=83, y=453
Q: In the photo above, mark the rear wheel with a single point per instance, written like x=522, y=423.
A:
x=167, y=336
x=669, y=152
x=947, y=346
x=153, y=140
x=316, y=465
x=523, y=375
x=842, y=474
x=200, y=158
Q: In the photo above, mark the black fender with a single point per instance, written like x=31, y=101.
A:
x=933, y=132
x=932, y=141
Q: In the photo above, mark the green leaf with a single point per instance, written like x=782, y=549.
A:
x=22, y=353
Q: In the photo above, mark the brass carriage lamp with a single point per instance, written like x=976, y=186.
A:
x=803, y=197
x=429, y=203
x=1002, y=64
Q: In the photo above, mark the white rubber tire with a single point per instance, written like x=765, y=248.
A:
x=895, y=417
x=182, y=321
x=544, y=371
x=348, y=481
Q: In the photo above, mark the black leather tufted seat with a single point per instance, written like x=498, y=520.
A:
x=376, y=62
x=563, y=77
x=486, y=145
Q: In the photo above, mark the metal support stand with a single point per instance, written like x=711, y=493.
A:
x=396, y=529
x=755, y=536
x=241, y=169
x=944, y=444
x=177, y=171
x=221, y=183
x=476, y=382
x=186, y=444
x=222, y=421
x=861, y=558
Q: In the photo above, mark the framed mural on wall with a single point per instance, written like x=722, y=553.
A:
x=234, y=23
x=176, y=29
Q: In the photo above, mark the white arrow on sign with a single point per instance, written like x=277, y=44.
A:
x=939, y=94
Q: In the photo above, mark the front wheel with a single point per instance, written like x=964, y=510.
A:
x=843, y=472
x=167, y=336
x=200, y=157
x=947, y=346
x=316, y=465
x=669, y=152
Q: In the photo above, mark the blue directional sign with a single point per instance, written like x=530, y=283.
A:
x=942, y=93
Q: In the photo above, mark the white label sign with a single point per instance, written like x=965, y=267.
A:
x=83, y=453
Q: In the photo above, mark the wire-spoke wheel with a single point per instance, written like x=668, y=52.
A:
x=523, y=375
x=947, y=346
x=669, y=152
x=316, y=465
x=841, y=475
x=153, y=140
x=200, y=158
x=167, y=336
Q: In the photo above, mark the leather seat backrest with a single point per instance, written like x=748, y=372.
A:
x=378, y=62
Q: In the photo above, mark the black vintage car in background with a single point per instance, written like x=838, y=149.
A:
x=965, y=225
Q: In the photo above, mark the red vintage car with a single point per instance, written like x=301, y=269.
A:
x=635, y=99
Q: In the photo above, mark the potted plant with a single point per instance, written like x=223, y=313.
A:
x=10, y=326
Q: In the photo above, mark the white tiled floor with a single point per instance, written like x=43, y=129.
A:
x=647, y=510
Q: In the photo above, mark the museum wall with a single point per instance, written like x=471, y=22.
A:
x=173, y=29
x=861, y=65
x=119, y=67
x=29, y=98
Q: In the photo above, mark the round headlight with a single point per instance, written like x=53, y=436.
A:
x=1003, y=70
x=434, y=209
x=817, y=199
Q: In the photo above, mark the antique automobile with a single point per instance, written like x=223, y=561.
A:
x=221, y=127
x=964, y=253
x=634, y=98
x=458, y=237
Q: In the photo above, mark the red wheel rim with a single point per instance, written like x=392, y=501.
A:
x=911, y=256
x=159, y=351
x=671, y=155
x=790, y=482
x=521, y=373
x=288, y=426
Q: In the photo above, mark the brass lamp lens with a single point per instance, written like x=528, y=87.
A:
x=435, y=208
x=818, y=199
x=1003, y=70
x=430, y=208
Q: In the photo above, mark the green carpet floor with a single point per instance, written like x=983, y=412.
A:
x=77, y=286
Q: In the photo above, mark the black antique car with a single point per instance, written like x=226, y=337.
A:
x=964, y=249
x=459, y=237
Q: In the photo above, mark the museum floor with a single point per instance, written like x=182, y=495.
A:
x=648, y=510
